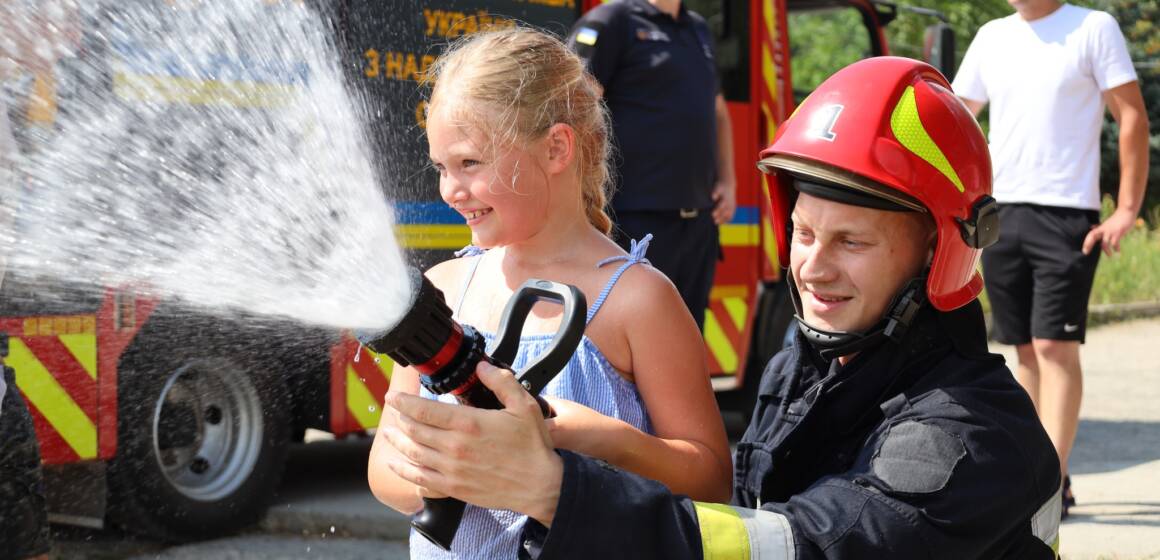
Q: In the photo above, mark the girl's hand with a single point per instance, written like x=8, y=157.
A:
x=583, y=430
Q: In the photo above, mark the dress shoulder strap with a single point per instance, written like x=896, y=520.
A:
x=635, y=255
x=468, y=251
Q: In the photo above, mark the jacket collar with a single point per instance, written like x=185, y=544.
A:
x=852, y=392
x=645, y=8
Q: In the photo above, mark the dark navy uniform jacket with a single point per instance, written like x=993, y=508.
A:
x=922, y=449
x=660, y=84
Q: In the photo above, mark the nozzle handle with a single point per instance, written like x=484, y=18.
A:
x=536, y=375
x=439, y=520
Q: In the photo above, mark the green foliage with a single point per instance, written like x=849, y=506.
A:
x=1133, y=274
x=905, y=34
x=822, y=42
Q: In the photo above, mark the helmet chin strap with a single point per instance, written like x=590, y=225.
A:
x=893, y=325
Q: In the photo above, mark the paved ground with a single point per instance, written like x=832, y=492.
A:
x=1116, y=463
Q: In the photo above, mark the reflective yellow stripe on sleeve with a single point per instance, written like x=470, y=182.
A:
x=731, y=533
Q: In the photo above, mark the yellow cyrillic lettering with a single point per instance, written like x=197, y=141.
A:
x=372, y=68
x=411, y=69
x=394, y=66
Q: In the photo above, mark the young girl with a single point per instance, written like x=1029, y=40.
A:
x=519, y=136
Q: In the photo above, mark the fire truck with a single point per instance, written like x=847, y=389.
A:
x=177, y=425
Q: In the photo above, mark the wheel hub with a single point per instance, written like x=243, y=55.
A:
x=207, y=428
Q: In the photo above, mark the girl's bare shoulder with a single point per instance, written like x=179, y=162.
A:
x=642, y=292
x=449, y=274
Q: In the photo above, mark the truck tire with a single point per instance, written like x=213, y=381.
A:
x=771, y=326
x=202, y=441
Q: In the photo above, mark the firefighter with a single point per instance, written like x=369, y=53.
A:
x=887, y=430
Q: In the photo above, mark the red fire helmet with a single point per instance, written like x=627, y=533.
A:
x=890, y=129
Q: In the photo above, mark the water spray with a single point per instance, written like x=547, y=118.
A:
x=446, y=354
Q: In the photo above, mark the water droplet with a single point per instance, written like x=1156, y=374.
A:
x=378, y=359
x=372, y=408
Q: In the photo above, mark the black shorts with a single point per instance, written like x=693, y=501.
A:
x=23, y=517
x=1036, y=275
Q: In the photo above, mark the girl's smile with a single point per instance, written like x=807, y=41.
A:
x=474, y=216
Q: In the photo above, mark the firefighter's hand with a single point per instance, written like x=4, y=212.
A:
x=724, y=202
x=1109, y=233
x=500, y=459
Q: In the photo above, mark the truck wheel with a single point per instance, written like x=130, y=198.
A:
x=202, y=443
x=770, y=331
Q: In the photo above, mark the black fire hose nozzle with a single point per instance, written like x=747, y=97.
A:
x=446, y=353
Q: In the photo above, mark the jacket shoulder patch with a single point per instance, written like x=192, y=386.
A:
x=584, y=37
x=917, y=458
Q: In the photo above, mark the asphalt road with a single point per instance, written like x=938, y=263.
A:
x=323, y=512
x=1115, y=466
x=324, y=509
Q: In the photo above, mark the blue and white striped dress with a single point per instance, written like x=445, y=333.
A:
x=588, y=379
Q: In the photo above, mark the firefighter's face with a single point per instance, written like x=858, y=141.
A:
x=849, y=262
x=499, y=192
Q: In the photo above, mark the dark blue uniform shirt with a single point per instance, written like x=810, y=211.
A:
x=660, y=84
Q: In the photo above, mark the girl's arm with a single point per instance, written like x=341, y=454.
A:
x=690, y=452
x=385, y=484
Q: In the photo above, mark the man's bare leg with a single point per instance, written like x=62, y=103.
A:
x=1027, y=372
x=1060, y=392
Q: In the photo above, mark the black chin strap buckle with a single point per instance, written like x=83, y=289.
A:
x=903, y=311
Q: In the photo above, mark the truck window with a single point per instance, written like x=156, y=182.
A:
x=729, y=23
x=823, y=41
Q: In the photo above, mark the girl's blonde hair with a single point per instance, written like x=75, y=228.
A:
x=528, y=81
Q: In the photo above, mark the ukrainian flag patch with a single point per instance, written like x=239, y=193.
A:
x=586, y=36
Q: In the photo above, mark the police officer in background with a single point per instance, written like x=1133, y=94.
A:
x=671, y=132
x=886, y=431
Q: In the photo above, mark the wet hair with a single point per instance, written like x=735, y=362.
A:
x=527, y=81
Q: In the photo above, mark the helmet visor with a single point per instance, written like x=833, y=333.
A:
x=839, y=185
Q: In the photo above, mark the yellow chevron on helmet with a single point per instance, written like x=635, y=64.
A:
x=907, y=127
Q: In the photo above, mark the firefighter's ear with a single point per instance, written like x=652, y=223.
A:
x=560, y=143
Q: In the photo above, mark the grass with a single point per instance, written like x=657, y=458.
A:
x=1133, y=274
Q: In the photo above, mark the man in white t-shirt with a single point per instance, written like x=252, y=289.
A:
x=1048, y=71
